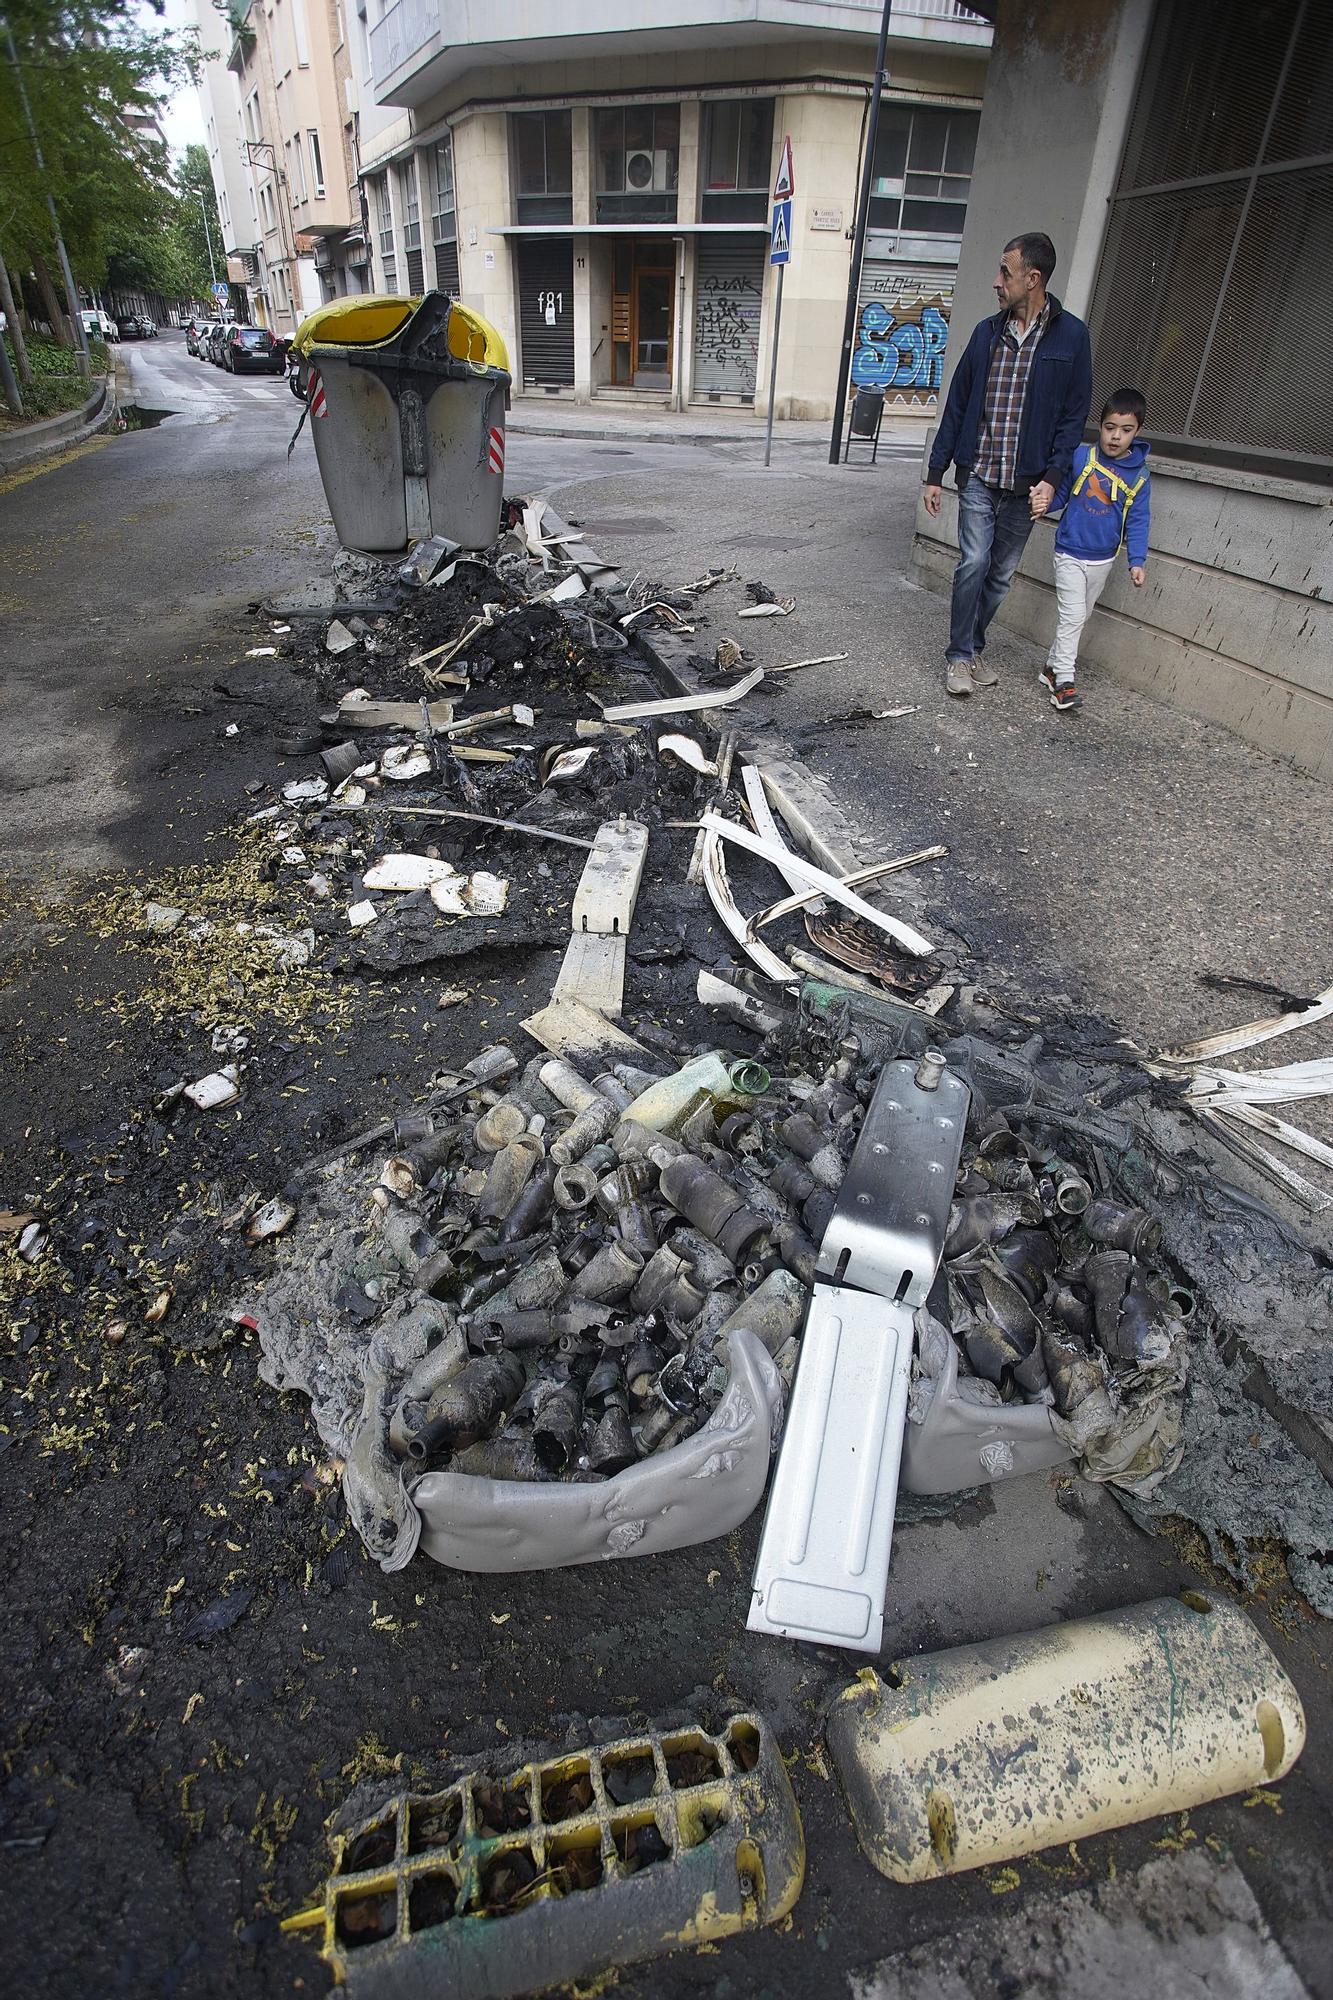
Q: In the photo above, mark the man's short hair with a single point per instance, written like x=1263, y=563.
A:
x=1037, y=251
x=1126, y=403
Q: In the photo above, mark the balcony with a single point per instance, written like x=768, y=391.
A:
x=420, y=46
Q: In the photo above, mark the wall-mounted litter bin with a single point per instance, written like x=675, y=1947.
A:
x=407, y=405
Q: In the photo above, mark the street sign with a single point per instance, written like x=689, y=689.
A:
x=784, y=187
x=221, y=293
x=779, y=248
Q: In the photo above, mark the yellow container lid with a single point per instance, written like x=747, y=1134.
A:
x=371, y=319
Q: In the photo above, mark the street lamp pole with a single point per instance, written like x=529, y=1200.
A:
x=208, y=236
x=859, y=241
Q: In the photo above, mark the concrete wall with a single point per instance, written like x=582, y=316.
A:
x=1235, y=622
x=1059, y=91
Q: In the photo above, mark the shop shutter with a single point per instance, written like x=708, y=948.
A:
x=446, y=268
x=902, y=324
x=546, y=311
x=728, y=302
x=416, y=274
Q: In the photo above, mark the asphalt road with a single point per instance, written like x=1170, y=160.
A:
x=125, y=573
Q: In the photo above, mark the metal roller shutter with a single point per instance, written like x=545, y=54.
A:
x=446, y=268
x=902, y=325
x=416, y=274
x=728, y=302
x=546, y=311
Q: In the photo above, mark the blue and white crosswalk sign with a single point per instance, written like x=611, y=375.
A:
x=779, y=248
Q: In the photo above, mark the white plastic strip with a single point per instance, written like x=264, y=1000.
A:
x=1253, y=1032
x=794, y=864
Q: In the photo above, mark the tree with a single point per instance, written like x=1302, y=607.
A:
x=95, y=80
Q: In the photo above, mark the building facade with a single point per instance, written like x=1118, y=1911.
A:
x=596, y=180
x=1186, y=177
x=236, y=222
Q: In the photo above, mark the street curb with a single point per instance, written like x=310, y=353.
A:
x=53, y=434
x=603, y=436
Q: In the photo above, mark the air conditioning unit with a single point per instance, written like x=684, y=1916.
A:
x=648, y=172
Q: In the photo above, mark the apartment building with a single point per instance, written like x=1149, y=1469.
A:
x=596, y=180
x=293, y=139
x=237, y=223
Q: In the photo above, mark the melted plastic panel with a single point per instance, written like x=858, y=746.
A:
x=689, y=1493
x=502, y=1884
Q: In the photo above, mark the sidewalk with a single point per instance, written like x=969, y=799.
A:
x=541, y=416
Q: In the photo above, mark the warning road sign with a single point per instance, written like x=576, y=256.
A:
x=779, y=248
x=784, y=187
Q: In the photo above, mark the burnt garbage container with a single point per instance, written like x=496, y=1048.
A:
x=407, y=402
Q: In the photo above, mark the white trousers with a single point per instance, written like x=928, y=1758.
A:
x=1078, y=585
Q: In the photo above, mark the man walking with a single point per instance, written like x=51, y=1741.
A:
x=1012, y=420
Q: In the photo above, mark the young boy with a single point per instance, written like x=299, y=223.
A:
x=1105, y=502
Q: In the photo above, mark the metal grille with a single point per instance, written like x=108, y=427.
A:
x=446, y=268
x=416, y=274
x=546, y=311
x=728, y=300
x=1214, y=295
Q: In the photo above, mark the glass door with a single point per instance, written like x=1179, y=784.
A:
x=654, y=294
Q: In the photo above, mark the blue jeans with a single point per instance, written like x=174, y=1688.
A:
x=993, y=529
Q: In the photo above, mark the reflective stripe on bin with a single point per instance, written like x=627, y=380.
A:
x=318, y=405
x=495, y=452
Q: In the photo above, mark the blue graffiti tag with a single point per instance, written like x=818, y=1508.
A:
x=900, y=357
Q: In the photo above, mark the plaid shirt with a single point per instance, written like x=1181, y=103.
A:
x=1002, y=405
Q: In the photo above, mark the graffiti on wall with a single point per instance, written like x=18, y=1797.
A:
x=901, y=335
x=726, y=330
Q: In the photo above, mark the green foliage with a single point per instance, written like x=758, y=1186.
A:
x=93, y=78
x=56, y=385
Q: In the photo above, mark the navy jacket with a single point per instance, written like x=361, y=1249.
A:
x=1059, y=391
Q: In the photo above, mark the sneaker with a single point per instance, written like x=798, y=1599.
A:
x=1066, y=695
x=982, y=675
x=958, y=677
x=1046, y=675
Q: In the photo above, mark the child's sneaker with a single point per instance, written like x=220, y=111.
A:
x=1046, y=676
x=1066, y=695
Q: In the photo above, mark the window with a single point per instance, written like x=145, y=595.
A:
x=443, y=214
x=266, y=203
x=297, y=168
x=379, y=190
x=738, y=158
x=316, y=163
x=440, y=184
x=923, y=169
x=1211, y=292
x=543, y=166
x=638, y=157
x=409, y=206
x=299, y=34
x=253, y=128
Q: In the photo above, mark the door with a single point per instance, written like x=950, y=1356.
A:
x=546, y=311
x=728, y=300
x=902, y=325
x=654, y=317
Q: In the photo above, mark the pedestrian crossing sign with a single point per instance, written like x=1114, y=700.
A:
x=779, y=248
x=784, y=187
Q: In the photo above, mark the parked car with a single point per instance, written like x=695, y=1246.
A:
x=217, y=334
x=99, y=325
x=147, y=327
x=127, y=326
x=248, y=347
x=203, y=334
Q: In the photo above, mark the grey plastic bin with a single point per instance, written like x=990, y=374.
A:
x=410, y=430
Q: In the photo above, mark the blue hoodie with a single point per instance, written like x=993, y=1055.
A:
x=1095, y=519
